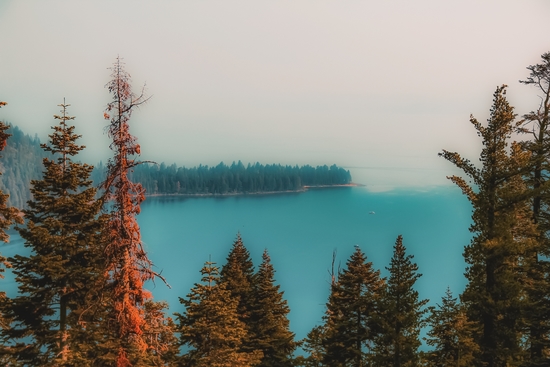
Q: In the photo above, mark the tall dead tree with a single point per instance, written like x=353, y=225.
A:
x=127, y=264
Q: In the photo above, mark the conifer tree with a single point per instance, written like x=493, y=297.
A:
x=450, y=334
x=270, y=332
x=351, y=325
x=537, y=126
x=62, y=230
x=210, y=325
x=158, y=330
x=239, y=279
x=313, y=346
x=128, y=266
x=503, y=236
x=401, y=313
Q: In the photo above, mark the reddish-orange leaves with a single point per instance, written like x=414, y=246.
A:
x=128, y=266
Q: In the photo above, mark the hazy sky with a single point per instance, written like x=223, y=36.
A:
x=378, y=84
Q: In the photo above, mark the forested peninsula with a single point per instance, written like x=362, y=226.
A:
x=235, y=179
x=22, y=162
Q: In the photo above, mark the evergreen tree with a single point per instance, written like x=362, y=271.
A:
x=63, y=232
x=351, y=325
x=270, y=332
x=401, y=313
x=313, y=346
x=503, y=236
x=537, y=126
x=128, y=266
x=158, y=330
x=239, y=279
x=450, y=335
x=210, y=325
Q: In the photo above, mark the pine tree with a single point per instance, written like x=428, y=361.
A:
x=270, y=332
x=128, y=266
x=450, y=335
x=239, y=279
x=537, y=126
x=158, y=330
x=351, y=325
x=401, y=313
x=313, y=346
x=503, y=236
x=210, y=325
x=62, y=230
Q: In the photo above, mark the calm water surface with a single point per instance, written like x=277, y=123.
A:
x=301, y=231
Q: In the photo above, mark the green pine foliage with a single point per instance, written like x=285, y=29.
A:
x=450, y=335
x=270, y=331
x=401, y=313
x=62, y=229
x=210, y=327
x=351, y=324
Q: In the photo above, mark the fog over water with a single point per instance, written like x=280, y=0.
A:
x=384, y=85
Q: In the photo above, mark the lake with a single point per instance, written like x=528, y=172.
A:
x=301, y=231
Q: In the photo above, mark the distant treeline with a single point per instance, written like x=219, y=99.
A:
x=237, y=178
x=21, y=162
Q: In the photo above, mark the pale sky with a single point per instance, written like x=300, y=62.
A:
x=378, y=84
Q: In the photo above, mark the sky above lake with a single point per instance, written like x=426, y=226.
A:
x=377, y=85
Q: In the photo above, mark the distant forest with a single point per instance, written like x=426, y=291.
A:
x=237, y=178
x=22, y=162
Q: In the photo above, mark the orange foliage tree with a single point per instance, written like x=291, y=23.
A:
x=128, y=266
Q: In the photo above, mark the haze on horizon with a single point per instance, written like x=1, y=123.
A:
x=383, y=85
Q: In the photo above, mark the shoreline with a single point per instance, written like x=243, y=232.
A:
x=210, y=195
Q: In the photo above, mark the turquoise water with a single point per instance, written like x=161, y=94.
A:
x=301, y=231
